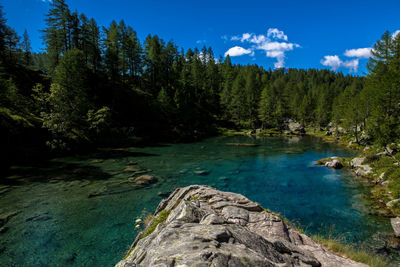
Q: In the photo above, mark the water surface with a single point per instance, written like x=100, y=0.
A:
x=81, y=211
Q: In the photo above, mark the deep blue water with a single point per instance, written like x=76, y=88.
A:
x=81, y=211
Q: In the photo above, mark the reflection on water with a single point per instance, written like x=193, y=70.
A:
x=81, y=211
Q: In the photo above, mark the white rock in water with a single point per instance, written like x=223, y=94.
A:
x=138, y=221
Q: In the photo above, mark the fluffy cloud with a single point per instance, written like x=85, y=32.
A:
x=395, y=33
x=352, y=65
x=335, y=62
x=358, y=53
x=275, y=33
x=331, y=61
x=237, y=51
x=271, y=44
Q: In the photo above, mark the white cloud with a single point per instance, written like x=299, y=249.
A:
x=238, y=51
x=277, y=34
x=352, y=65
x=395, y=33
x=280, y=56
x=331, y=61
x=47, y=1
x=200, y=41
x=270, y=44
x=335, y=62
x=258, y=39
x=358, y=53
x=242, y=38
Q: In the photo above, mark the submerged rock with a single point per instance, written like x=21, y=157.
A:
x=145, y=180
x=131, y=169
x=4, y=218
x=201, y=226
x=202, y=172
x=163, y=194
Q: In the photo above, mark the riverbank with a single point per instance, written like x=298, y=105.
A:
x=377, y=166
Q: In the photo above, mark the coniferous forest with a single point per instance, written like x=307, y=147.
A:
x=96, y=85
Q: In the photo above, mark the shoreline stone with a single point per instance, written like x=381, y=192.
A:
x=334, y=164
x=201, y=226
x=396, y=226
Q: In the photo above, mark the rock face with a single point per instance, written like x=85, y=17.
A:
x=202, y=226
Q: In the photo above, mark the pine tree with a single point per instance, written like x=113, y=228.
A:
x=56, y=35
x=26, y=49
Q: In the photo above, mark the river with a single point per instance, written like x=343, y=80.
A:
x=81, y=210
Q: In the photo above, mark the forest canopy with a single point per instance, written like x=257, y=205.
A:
x=94, y=84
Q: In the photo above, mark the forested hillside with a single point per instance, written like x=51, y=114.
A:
x=95, y=84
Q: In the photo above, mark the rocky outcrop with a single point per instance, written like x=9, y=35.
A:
x=201, y=226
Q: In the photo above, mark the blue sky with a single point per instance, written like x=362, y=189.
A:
x=291, y=33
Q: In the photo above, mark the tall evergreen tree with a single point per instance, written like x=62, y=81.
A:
x=26, y=49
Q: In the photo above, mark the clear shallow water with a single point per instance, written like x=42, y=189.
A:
x=81, y=211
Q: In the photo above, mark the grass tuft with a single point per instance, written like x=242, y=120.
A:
x=348, y=251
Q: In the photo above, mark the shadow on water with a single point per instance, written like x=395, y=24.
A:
x=61, y=169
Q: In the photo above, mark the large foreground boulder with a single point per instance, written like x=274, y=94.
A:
x=201, y=226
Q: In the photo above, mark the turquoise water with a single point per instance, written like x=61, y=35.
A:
x=81, y=211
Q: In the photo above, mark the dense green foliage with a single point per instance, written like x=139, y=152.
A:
x=95, y=84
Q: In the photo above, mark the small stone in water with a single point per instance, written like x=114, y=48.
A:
x=137, y=226
x=138, y=221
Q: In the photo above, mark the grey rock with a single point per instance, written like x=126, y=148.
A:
x=294, y=126
x=207, y=227
x=391, y=203
x=335, y=164
x=363, y=170
x=356, y=162
x=396, y=226
x=382, y=154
